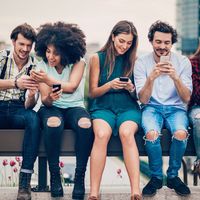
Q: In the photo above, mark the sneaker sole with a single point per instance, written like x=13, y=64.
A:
x=77, y=197
x=184, y=195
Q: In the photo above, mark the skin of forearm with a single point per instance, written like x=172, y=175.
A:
x=182, y=90
x=7, y=84
x=97, y=92
x=146, y=91
x=30, y=102
x=47, y=101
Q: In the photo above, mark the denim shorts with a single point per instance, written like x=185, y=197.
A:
x=154, y=117
x=115, y=120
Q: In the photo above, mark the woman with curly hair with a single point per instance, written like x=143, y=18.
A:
x=114, y=109
x=62, y=47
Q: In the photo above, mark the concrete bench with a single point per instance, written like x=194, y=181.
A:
x=11, y=143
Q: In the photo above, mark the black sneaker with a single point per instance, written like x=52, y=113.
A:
x=179, y=187
x=152, y=186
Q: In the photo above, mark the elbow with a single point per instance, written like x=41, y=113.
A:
x=187, y=100
x=72, y=89
x=143, y=101
x=91, y=95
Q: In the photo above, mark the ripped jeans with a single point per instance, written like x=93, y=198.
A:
x=195, y=121
x=174, y=119
x=53, y=131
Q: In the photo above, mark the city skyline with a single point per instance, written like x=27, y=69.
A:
x=96, y=18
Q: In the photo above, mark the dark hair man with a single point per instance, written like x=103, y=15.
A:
x=16, y=109
x=164, y=85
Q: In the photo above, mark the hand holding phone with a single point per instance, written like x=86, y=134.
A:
x=123, y=79
x=57, y=87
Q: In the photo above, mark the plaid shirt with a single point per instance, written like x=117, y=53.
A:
x=195, y=98
x=11, y=73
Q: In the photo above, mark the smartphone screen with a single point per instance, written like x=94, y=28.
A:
x=164, y=58
x=58, y=86
x=124, y=79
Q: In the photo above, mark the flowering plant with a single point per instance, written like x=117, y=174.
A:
x=10, y=171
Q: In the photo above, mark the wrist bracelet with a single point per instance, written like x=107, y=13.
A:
x=16, y=86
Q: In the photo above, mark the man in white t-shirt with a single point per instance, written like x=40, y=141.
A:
x=164, y=85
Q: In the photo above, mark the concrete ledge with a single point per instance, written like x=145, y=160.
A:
x=112, y=193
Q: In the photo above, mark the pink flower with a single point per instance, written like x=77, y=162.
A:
x=61, y=164
x=17, y=159
x=12, y=163
x=15, y=170
x=5, y=162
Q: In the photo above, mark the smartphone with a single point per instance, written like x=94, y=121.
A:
x=124, y=79
x=57, y=86
x=164, y=58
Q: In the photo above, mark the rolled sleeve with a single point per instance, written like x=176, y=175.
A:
x=140, y=76
x=186, y=74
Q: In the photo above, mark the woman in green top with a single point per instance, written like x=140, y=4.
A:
x=114, y=109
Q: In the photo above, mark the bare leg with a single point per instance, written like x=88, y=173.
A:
x=131, y=155
x=102, y=132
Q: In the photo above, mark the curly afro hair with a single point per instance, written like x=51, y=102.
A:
x=164, y=28
x=68, y=40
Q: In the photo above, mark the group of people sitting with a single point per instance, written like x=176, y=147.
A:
x=128, y=92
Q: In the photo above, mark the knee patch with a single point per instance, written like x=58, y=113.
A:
x=84, y=122
x=53, y=122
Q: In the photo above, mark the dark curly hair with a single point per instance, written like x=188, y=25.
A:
x=68, y=40
x=26, y=30
x=164, y=28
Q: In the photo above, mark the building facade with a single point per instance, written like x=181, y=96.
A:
x=188, y=25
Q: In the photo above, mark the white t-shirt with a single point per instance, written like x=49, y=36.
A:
x=164, y=91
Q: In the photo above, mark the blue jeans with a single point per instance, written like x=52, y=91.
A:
x=53, y=135
x=194, y=111
x=13, y=115
x=174, y=119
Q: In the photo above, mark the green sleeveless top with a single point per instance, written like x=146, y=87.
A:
x=115, y=100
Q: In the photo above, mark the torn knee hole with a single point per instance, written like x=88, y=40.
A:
x=53, y=122
x=152, y=135
x=197, y=116
x=84, y=122
x=181, y=135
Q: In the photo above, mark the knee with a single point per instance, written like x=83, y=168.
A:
x=196, y=118
x=152, y=135
x=53, y=122
x=180, y=135
x=101, y=136
x=126, y=135
x=84, y=123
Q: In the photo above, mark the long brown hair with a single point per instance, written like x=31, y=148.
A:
x=130, y=56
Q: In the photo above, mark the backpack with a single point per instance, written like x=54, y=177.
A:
x=22, y=98
x=5, y=66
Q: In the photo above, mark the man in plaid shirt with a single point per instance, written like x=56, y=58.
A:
x=16, y=110
x=194, y=113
